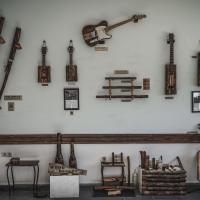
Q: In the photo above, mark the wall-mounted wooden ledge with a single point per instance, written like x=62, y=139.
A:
x=180, y=138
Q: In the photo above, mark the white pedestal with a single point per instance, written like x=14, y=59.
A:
x=64, y=186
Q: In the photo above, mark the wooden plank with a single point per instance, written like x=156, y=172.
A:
x=122, y=96
x=100, y=138
x=120, y=78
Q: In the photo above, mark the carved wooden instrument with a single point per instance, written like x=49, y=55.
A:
x=71, y=69
x=198, y=68
x=96, y=34
x=15, y=46
x=59, y=156
x=170, y=69
x=2, y=19
x=44, y=72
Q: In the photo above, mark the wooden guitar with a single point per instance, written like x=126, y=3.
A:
x=96, y=34
x=170, y=69
x=44, y=73
x=71, y=69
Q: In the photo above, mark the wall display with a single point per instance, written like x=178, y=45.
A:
x=44, y=72
x=2, y=19
x=71, y=98
x=96, y=34
x=198, y=68
x=13, y=97
x=59, y=156
x=71, y=69
x=11, y=106
x=15, y=46
x=127, y=90
x=72, y=157
x=195, y=101
x=170, y=69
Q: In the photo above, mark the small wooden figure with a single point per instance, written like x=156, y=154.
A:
x=198, y=68
x=71, y=69
x=44, y=72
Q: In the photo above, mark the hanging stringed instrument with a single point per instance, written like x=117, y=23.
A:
x=71, y=69
x=198, y=68
x=2, y=19
x=170, y=69
x=44, y=73
x=15, y=46
x=96, y=34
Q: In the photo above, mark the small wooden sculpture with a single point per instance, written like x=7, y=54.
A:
x=72, y=158
x=96, y=34
x=44, y=72
x=59, y=156
x=198, y=68
x=170, y=69
x=15, y=46
x=71, y=69
x=2, y=19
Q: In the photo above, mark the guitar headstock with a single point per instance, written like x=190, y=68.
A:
x=136, y=18
x=44, y=48
x=70, y=47
x=171, y=39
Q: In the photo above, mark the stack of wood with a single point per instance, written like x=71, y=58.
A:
x=169, y=180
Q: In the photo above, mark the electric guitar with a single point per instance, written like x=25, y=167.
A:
x=96, y=34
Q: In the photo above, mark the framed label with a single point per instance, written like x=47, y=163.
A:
x=195, y=101
x=71, y=98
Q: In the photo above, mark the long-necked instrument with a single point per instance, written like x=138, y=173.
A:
x=71, y=69
x=2, y=19
x=59, y=156
x=96, y=34
x=198, y=68
x=15, y=46
x=170, y=69
x=44, y=72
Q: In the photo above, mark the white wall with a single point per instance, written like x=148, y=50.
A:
x=141, y=48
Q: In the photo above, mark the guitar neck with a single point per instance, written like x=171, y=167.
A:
x=43, y=60
x=109, y=28
x=171, y=54
x=71, y=58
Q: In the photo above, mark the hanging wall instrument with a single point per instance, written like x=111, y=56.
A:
x=15, y=46
x=170, y=69
x=198, y=68
x=71, y=69
x=44, y=72
x=96, y=34
x=2, y=19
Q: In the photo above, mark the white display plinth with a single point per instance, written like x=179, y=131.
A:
x=64, y=186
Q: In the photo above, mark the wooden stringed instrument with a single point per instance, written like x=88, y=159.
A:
x=71, y=69
x=96, y=34
x=170, y=69
x=44, y=73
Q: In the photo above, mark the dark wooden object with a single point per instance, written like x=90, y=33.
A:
x=59, y=156
x=72, y=157
x=71, y=69
x=44, y=72
x=146, y=84
x=2, y=19
x=170, y=69
x=116, y=138
x=198, y=165
x=96, y=34
x=129, y=170
x=198, y=68
x=15, y=46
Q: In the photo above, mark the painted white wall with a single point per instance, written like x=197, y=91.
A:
x=141, y=48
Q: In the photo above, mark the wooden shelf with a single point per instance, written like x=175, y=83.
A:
x=110, y=164
x=122, y=96
x=92, y=138
x=122, y=87
x=120, y=78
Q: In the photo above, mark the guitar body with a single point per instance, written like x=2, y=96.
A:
x=44, y=74
x=170, y=79
x=95, y=34
x=71, y=73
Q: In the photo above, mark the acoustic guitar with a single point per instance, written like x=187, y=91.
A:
x=96, y=34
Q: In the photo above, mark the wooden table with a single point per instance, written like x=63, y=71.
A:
x=23, y=163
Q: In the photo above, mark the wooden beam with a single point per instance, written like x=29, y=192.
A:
x=100, y=138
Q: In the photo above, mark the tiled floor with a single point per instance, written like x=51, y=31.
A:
x=86, y=194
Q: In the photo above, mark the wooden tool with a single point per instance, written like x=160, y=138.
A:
x=96, y=34
x=2, y=19
x=170, y=69
x=44, y=72
x=198, y=68
x=15, y=46
x=71, y=69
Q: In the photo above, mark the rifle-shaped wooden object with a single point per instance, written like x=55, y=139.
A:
x=198, y=68
x=2, y=19
x=15, y=46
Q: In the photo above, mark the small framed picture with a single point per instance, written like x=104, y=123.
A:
x=71, y=98
x=195, y=101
